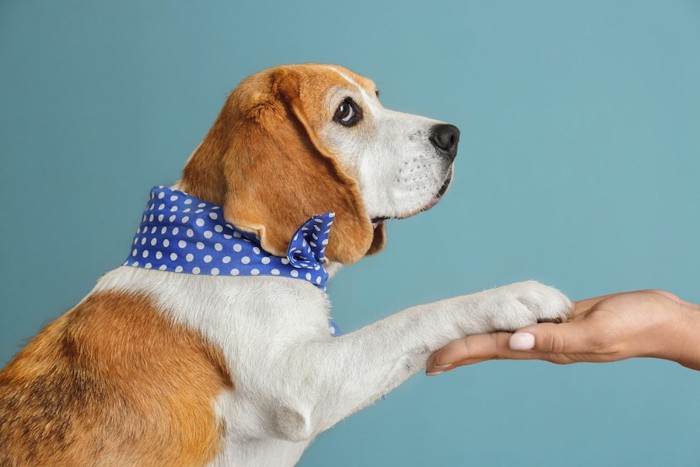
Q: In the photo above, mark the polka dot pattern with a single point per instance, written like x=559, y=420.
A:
x=333, y=327
x=196, y=239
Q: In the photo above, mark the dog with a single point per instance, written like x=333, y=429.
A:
x=178, y=357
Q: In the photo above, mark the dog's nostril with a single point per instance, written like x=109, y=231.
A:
x=445, y=138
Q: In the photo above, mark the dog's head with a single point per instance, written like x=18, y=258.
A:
x=299, y=140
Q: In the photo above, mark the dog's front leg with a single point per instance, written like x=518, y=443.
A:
x=338, y=376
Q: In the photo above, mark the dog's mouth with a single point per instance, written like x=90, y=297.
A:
x=435, y=200
x=441, y=192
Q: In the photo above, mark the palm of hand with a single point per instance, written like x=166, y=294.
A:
x=625, y=325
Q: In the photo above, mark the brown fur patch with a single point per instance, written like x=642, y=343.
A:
x=378, y=240
x=264, y=162
x=112, y=382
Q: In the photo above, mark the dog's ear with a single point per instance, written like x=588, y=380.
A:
x=273, y=173
x=378, y=240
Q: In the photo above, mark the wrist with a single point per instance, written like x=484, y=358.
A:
x=687, y=335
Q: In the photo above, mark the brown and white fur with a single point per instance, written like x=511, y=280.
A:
x=160, y=368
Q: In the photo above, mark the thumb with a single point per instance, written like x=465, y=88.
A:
x=570, y=337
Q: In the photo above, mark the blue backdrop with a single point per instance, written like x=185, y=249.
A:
x=579, y=166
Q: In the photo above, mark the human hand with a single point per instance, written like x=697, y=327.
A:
x=649, y=323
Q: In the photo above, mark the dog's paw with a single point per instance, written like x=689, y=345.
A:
x=524, y=303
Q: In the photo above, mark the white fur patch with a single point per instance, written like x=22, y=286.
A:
x=390, y=154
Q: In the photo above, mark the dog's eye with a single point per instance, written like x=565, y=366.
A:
x=348, y=113
x=376, y=91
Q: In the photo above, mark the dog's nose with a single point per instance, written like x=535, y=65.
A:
x=445, y=138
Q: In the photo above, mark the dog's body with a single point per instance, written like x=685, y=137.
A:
x=160, y=368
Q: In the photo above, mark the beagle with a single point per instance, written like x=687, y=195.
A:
x=166, y=363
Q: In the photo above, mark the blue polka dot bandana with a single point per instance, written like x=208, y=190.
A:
x=182, y=234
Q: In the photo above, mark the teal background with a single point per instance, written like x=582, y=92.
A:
x=579, y=166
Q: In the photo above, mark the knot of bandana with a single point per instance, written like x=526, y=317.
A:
x=308, y=244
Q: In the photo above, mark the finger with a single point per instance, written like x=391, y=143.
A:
x=432, y=370
x=561, y=359
x=468, y=361
x=475, y=349
x=589, y=302
x=479, y=346
x=566, y=338
x=582, y=306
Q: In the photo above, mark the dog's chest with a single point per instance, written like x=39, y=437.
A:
x=241, y=315
x=254, y=321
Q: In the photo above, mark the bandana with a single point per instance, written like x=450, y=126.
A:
x=183, y=234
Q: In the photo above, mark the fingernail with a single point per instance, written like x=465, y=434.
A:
x=433, y=373
x=521, y=341
x=446, y=365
